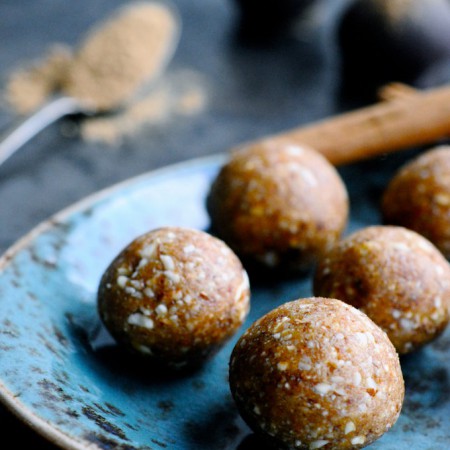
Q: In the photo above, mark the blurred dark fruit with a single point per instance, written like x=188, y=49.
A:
x=436, y=75
x=264, y=20
x=391, y=40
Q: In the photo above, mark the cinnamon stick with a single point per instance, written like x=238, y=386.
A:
x=396, y=91
x=420, y=118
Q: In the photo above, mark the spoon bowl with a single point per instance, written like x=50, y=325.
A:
x=118, y=61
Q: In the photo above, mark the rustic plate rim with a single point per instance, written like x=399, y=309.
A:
x=20, y=410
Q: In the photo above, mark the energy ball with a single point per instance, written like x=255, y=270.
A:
x=395, y=276
x=281, y=206
x=317, y=373
x=418, y=197
x=175, y=295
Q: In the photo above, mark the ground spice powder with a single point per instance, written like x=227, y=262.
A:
x=182, y=93
x=121, y=55
x=28, y=88
x=116, y=65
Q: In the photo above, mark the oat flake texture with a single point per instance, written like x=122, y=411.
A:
x=396, y=277
x=279, y=205
x=317, y=373
x=174, y=295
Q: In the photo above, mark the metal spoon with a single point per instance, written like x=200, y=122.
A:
x=83, y=102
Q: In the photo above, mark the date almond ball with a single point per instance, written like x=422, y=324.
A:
x=317, y=373
x=418, y=197
x=395, y=276
x=281, y=206
x=175, y=295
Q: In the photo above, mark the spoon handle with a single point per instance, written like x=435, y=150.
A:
x=19, y=134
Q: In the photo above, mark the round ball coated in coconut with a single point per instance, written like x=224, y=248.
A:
x=418, y=197
x=317, y=373
x=395, y=276
x=174, y=294
x=281, y=206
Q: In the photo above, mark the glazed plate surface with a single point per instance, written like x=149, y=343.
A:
x=62, y=374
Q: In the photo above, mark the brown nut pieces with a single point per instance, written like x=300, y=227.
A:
x=317, y=373
x=279, y=205
x=418, y=197
x=395, y=276
x=174, y=294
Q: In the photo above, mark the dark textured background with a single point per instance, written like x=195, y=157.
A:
x=253, y=90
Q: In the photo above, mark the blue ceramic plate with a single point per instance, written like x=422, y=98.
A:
x=65, y=377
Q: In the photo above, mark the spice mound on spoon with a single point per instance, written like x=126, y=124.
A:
x=126, y=52
x=117, y=60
